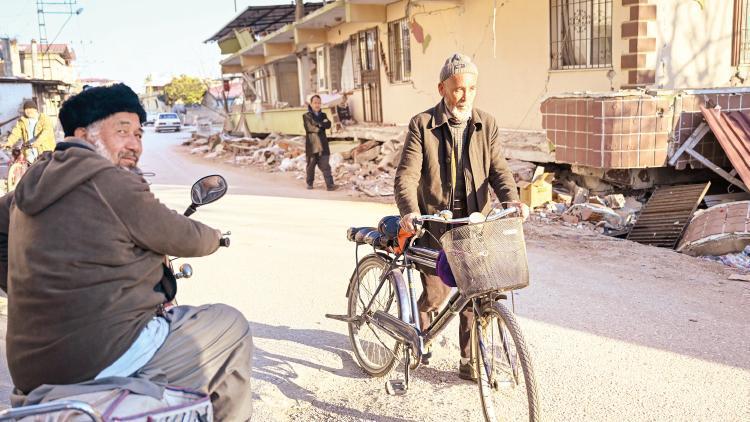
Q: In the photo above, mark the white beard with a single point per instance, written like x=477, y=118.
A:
x=461, y=114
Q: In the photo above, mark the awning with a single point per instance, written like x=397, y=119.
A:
x=263, y=19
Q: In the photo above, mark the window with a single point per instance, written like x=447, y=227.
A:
x=354, y=51
x=367, y=50
x=580, y=34
x=399, y=52
x=741, y=33
x=320, y=69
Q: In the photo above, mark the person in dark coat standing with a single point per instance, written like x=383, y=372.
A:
x=451, y=160
x=316, y=143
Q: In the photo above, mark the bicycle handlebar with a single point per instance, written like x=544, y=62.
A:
x=441, y=217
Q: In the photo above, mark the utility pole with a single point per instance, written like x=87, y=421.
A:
x=43, y=8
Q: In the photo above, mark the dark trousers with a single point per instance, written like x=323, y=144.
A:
x=434, y=294
x=321, y=161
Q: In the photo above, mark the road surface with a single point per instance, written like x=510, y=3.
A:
x=618, y=331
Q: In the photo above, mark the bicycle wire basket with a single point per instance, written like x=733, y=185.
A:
x=487, y=257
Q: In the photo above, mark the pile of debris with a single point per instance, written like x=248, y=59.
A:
x=368, y=167
x=565, y=202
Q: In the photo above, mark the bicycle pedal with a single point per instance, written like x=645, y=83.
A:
x=395, y=387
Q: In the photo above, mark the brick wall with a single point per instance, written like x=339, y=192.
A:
x=638, y=60
x=619, y=132
x=609, y=132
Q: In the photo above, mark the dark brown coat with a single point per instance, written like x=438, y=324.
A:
x=316, y=141
x=424, y=180
x=85, y=242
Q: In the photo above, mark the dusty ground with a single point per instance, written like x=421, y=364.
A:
x=618, y=331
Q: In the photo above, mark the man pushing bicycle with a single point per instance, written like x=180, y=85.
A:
x=451, y=158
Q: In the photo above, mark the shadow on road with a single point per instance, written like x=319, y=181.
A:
x=278, y=370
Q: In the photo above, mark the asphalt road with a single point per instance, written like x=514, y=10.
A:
x=618, y=331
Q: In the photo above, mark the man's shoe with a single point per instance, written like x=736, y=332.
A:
x=426, y=358
x=332, y=187
x=467, y=371
x=309, y=186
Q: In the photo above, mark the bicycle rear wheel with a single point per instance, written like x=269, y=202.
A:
x=375, y=350
x=15, y=173
x=507, y=386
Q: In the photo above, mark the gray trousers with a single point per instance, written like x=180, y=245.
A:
x=209, y=349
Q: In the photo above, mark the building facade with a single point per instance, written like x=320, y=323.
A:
x=545, y=67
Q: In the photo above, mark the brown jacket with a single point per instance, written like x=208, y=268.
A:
x=424, y=179
x=82, y=242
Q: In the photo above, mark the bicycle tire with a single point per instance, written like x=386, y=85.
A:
x=512, y=401
x=375, y=355
x=15, y=173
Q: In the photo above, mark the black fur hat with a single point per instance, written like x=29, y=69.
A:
x=98, y=103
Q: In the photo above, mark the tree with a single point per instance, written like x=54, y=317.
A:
x=185, y=89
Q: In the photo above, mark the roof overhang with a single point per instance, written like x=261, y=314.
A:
x=262, y=19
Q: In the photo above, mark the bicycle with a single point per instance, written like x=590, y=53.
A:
x=18, y=163
x=487, y=257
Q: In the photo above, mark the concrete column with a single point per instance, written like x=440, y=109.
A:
x=304, y=67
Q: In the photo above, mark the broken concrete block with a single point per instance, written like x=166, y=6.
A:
x=597, y=200
x=199, y=150
x=615, y=201
x=562, y=197
x=365, y=155
x=570, y=219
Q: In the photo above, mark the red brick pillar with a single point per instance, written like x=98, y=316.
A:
x=639, y=60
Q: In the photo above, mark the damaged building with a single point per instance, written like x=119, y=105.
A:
x=628, y=94
x=610, y=87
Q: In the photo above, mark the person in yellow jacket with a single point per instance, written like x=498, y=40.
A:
x=35, y=128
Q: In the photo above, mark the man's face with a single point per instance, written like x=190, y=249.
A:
x=315, y=104
x=121, y=136
x=31, y=113
x=459, y=92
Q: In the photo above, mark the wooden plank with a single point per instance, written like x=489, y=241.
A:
x=718, y=170
x=690, y=142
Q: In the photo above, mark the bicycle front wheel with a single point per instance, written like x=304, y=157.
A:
x=506, y=378
x=374, y=349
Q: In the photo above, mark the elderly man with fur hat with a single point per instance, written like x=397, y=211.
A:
x=34, y=128
x=82, y=246
x=451, y=159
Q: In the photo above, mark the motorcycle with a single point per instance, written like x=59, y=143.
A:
x=178, y=404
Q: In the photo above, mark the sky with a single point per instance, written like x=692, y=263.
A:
x=126, y=40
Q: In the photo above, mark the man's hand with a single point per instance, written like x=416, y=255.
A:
x=523, y=209
x=407, y=222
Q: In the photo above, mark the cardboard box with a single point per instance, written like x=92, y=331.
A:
x=539, y=191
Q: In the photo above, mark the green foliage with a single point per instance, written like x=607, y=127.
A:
x=185, y=89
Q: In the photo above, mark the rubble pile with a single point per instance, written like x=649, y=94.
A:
x=565, y=202
x=368, y=167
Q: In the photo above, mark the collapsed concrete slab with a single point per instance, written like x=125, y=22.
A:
x=719, y=230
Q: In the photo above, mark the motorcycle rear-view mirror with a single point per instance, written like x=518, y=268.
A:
x=206, y=190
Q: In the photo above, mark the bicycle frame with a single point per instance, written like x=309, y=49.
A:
x=418, y=338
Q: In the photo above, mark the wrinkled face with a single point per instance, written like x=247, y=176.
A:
x=31, y=113
x=120, y=136
x=315, y=104
x=459, y=92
